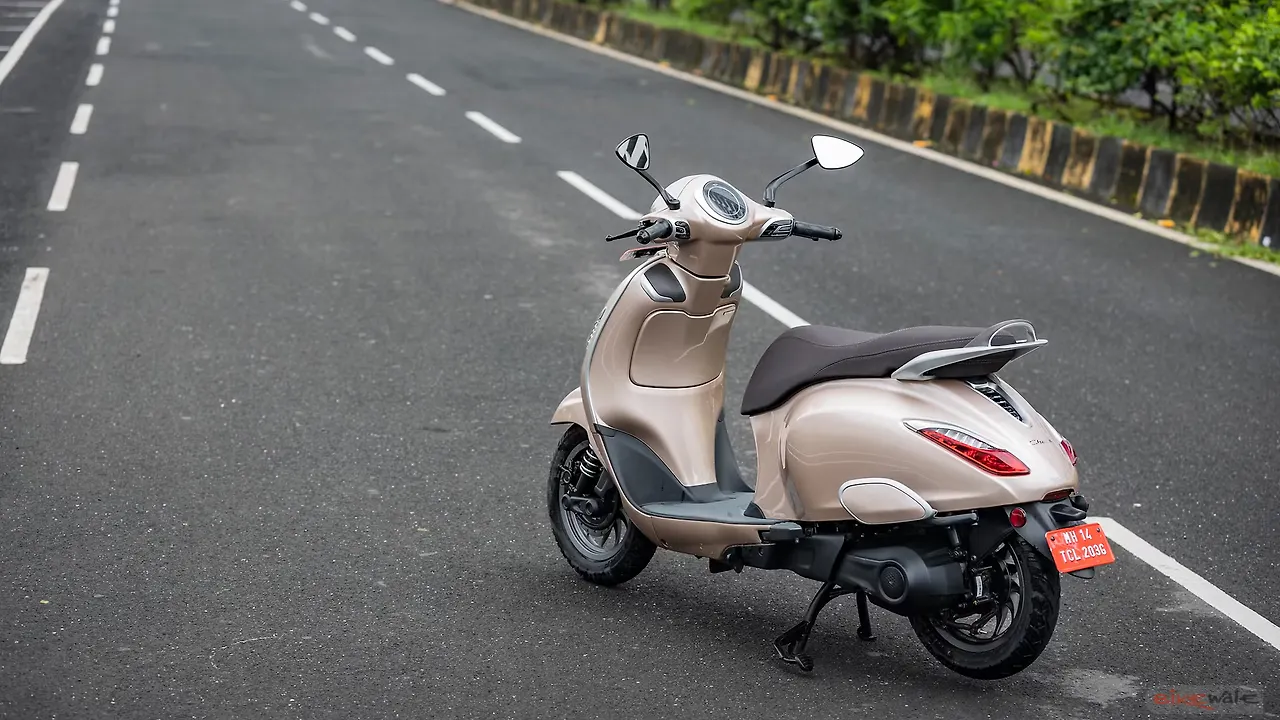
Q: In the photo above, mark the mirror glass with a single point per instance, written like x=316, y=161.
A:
x=634, y=152
x=834, y=153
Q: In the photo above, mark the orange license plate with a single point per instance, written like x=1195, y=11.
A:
x=1079, y=547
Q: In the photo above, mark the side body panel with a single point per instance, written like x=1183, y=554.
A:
x=664, y=383
x=812, y=447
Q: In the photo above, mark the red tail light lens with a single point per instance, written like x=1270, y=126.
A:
x=1058, y=495
x=1018, y=517
x=989, y=458
x=1070, y=451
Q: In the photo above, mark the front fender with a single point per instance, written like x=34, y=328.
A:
x=571, y=411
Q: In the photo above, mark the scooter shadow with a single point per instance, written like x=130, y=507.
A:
x=741, y=618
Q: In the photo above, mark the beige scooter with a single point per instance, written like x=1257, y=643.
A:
x=897, y=467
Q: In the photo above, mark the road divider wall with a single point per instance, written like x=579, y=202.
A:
x=1157, y=183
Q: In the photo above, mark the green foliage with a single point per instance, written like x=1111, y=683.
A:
x=1209, y=69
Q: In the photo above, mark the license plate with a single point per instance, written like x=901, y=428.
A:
x=1079, y=547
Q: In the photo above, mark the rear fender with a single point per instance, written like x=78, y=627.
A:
x=571, y=411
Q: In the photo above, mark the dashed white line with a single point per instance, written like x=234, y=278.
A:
x=1201, y=588
x=344, y=33
x=425, y=84
x=104, y=45
x=494, y=128
x=80, y=123
x=22, y=4
x=113, y=12
x=95, y=75
x=114, y=3
x=12, y=28
x=108, y=27
x=19, y=46
x=319, y=19
x=60, y=198
x=25, y=15
x=610, y=203
x=18, y=339
x=298, y=6
x=378, y=55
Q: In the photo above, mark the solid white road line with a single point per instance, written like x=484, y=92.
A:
x=752, y=294
x=19, y=46
x=298, y=6
x=104, y=45
x=494, y=128
x=901, y=145
x=1201, y=588
x=425, y=84
x=108, y=27
x=319, y=19
x=345, y=34
x=23, y=324
x=80, y=123
x=113, y=12
x=610, y=203
x=61, y=195
x=95, y=75
x=378, y=55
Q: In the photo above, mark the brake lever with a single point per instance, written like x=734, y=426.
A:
x=630, y=233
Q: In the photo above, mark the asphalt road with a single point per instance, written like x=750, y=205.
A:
x=279, y=446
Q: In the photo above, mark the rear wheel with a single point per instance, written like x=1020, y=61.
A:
x=1005, y=636
x=593, y=533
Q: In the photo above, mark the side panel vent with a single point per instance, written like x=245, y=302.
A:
x=992, y=393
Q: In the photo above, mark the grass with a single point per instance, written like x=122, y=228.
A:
x=1085, y=114
x=1223, y=245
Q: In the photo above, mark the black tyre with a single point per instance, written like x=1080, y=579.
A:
x=602, y=546
x=1004, y=640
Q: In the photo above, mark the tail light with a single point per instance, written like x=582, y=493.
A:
x=988, y=457
x=1056, y=495
x=1070, y=451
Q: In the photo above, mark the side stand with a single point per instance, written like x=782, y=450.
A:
x=790, y=645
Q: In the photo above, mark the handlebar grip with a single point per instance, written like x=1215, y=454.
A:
x=656, y=231
x=816, y=232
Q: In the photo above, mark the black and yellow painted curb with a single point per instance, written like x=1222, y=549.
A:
x=1159, y=184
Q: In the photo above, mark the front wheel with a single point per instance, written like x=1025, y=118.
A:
x=1007, y=634
x=593, y=532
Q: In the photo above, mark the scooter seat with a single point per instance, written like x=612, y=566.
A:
x=811, y=354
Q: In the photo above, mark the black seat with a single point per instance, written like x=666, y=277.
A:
x=810, y=354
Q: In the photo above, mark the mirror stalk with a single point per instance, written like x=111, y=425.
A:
x=772, y=189
x=671, y=202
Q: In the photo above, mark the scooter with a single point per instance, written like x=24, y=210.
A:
x=896, y=467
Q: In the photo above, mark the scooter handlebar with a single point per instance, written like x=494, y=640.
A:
x=816, y=232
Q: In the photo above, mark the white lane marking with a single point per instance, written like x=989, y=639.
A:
x=22, y=4
x=80, y=123
x=113, y=12
x=378, y=55
x=25, y=15
x=19, y=46
x=1201, y=588
x=61, y=195
x=95, y=75
x=12, y=28
x=104, y=45
x=425, y=84
x=114, y=3
x=319, y=19
x=587, y=188
x=344, y=33
x=23, y=324
x=108, y=27
x=494, y=128
x=991, y=174
x=298, y=6
x=753, y=295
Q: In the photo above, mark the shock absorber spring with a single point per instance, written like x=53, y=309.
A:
x=589, y=470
